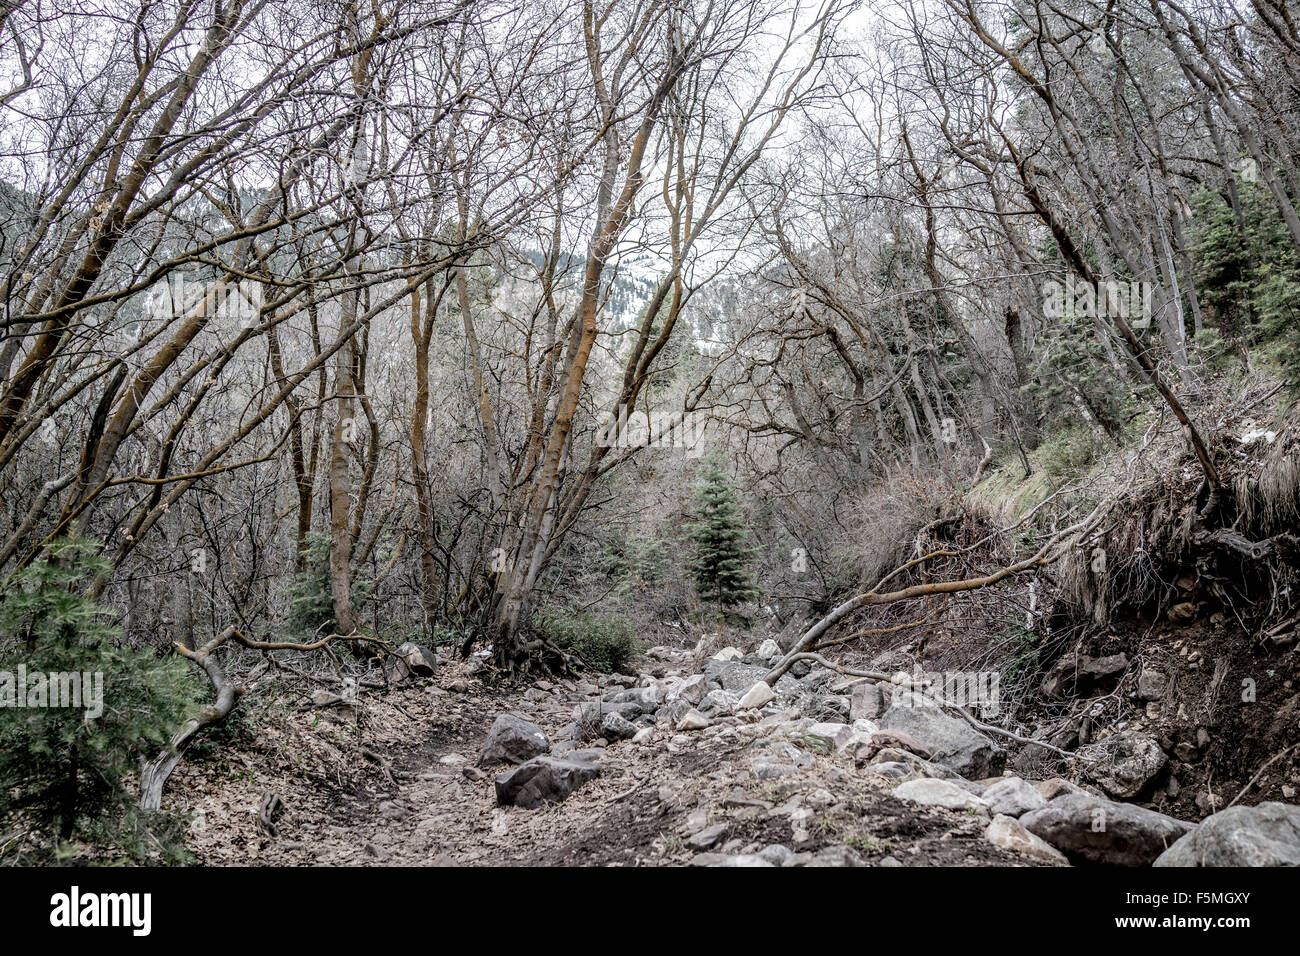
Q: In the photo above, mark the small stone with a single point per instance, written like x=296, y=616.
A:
x=693, y=689
x=707, y=837
x=1152, y=684
x=693, y=720
x=617, y=727
x=757, y=696
x=776, y=854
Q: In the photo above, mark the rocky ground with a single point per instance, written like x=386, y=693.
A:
x=691, y=762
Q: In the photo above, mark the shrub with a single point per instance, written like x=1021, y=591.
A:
x=311, y=603
x=606, y=642
x=1070, y=452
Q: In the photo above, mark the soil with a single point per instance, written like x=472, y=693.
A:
x=393, y=782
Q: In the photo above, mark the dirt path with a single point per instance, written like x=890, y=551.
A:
x=394, y=783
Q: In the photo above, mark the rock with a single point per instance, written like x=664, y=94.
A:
x=396, y=669
x=708, y=837
x=512, y=739
x=719, y=703
x=868, y=701
x=832, y=708
x=1060, y=677
x=892, y=770
x=1009, y=834
x=693, y=689
x=1263, y=835
x=645, y=699
x=829, y=737
x=1053, y=788
x=1090, y=829
x=1013, y=797
x=670, y=714
x=728, y=654
x=1124, y=764
x=693, y=720
x=939, y=793
x=923, y=768
x=589, y=714
x=891, y=739
x=643, y=735
x=542, y=780
x=1183, y=613
x=952, y=742
x=735, y=677
x=420, y=660
x=1152, y=684
x=1102, y=668
x=835, y=856
x=776, y=854
x=757, y=696
x=769, y=651
x=616, y=727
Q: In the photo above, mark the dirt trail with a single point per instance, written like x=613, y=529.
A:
x=394, y=783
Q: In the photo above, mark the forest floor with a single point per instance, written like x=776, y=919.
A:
x=394, y=781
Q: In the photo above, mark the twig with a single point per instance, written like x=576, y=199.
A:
x=1258, y=773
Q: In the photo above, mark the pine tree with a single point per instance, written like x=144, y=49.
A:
x=68, y=768
x=722, y=560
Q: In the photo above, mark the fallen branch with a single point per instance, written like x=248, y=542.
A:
x=1047, y=554
x=154, y=773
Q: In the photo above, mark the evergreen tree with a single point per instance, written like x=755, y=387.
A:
x=66, y=767
x=1248, y=275
x=722, y=560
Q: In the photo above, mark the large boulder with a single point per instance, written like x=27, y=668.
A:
x=419, y=660
x=1124, y=764
x=1013, y=797
x=512, y=739
x=1265, y=835
x=1090, y=829
x=543, y=780
x=868, y=701
x=951, y=741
